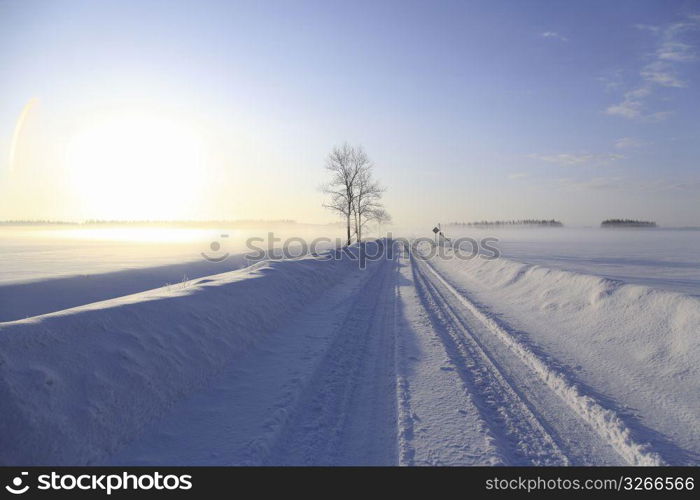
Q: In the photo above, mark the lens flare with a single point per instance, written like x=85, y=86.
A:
x=33, y=102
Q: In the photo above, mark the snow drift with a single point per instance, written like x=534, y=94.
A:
x=26, y=299
x=76, y=384
x=635, y=344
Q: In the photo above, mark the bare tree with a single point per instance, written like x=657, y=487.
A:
x=380, y=216
x=368, y=194
x=352, y=190
x=341, y=188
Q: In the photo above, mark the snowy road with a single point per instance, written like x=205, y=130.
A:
x=392, y=365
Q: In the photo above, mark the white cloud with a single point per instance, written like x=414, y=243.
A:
x=658, y=116
x=577, y=159
x=518, y=175
x=594, y=184
x=638, y=93
x=647, y=27
x=627, y=109
x=628, y=143
x=554, y=35
x=661, y=71
x=676, y=51
x=632, y=105
x=668, y=185
x=687, y=186
x=630, y=184
x=611, y=82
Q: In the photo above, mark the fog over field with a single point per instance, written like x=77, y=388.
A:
x=663, y=258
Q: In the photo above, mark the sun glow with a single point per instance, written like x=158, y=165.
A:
x=135, y=166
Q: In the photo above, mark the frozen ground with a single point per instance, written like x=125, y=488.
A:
x=315, y=361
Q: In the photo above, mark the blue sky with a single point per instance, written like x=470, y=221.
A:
x=470, y=110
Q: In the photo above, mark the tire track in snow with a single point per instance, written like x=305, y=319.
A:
x=369, y=434
x=333, y=416
x=518, y=434
x=404, y=436
x=607, y=424
x=438, y=420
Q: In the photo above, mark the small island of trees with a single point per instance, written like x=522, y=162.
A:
x=627, y=223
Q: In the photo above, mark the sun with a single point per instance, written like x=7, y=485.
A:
x=136, y=166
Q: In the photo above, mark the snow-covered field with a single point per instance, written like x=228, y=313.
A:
x=668, y=259
x=537, y=358
x=29, y=253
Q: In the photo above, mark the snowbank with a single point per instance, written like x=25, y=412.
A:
x=75, y=384
x=634, y=346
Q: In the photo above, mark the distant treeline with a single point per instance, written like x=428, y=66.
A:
x=34, y=223
x=192, y=223
x=627, y=223
x=169, y=223
x=522, y=222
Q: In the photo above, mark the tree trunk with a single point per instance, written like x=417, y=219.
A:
x=349, y=240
